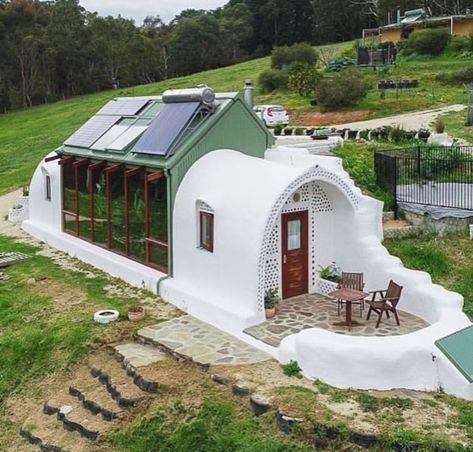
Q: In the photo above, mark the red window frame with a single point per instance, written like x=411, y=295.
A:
x=207, y=243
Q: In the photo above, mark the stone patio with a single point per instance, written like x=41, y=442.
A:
x=319, y=311
x=202, y=343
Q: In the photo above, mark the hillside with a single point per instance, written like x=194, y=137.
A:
x=27, y=135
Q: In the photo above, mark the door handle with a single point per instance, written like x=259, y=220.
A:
x=284, y=259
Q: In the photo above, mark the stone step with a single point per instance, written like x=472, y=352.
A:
x=139, y=355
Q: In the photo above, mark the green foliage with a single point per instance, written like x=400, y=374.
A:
x=370, y=403
x=398, y=134
x=215, y=428
x=273, y=79
x=271, y=298
x=439, y=125
x=330, y=272
x=342, y=90
x=299, y=131
x=283, y=56
x=459, y=76
x=291, y=369
x=340, y=63
x=303, y=78
x=427, y=42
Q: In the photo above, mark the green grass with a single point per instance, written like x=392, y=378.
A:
x=35, y=340
x=455, y=126
x=446, y=258
x=217, y=427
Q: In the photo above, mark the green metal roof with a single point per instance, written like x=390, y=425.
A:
x=198, y=129
x=458, y=348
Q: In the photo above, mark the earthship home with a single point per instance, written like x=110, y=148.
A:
x=186, y=195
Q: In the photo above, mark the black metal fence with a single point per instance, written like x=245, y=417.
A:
x=426, y=175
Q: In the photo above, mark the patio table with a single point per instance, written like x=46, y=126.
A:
x=348, y=296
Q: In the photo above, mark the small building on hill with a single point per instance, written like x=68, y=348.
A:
x=418, y=19
x=185, y=195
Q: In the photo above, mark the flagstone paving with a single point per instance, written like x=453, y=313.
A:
x=318, y=311
x=204, y=344
x=138, y=355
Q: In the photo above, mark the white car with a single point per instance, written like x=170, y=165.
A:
x=272, y=114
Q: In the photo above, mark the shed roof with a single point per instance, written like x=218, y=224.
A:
x=412, y=21
x=120, y=131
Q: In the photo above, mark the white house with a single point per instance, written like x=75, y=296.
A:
x=185, y=195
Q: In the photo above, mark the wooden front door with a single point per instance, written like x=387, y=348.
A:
x=295, y=256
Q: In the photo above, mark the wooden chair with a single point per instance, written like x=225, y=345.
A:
x=387, y=303
x=352, y=281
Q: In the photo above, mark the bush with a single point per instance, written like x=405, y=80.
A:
x=397, y=135
x=301, y=52
x=460, y=44
x=439, y=125
x=291, y=369
x=299, y=131
x=428, y=42
x=341, y=90
x=272, y=79
x=464, y=75
x=340, y=63
x=303, y=78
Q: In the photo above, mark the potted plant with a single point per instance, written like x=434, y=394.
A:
x=330, y=273
x=352, y=134
x=288, y=131
x=299, y=131
x=440, y=137
x=271, y=300
x=136, y=313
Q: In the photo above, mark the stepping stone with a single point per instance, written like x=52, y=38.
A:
x=137, y=355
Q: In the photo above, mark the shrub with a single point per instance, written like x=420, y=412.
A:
x=272, y=79
x=301, y=52
x=397, y=134
x=342, y=90
x=303, y=78
x=291, y=369
x=439, y=125
x=428, y=42
x=460, y=44
x=299, y=131
x=459, y=76
x=288, y=131
x=340, y=63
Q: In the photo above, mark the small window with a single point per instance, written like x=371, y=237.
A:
x=47, y=184
x=207, y=231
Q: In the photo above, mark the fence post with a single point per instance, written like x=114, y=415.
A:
x=418, y=161
x=395, y=188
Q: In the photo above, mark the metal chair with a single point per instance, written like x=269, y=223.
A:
x=387, y=303
x=352, y=281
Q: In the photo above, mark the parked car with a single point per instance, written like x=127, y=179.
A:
x=272, y=114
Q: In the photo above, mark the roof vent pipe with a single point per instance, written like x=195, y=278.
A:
x=398, y=14
x=249, y=93
x=202, y=94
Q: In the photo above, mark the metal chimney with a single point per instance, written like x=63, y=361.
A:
x=249, y=93
x=398, y=14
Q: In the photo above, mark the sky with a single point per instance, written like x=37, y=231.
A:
x=139, y=9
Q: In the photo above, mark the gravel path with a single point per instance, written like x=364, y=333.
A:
x=408, y=121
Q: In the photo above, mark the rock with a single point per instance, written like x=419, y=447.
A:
x=30, y=281
x=364, y=439
x=218, y=379
x=258, y=405
x=286, y=423
x=240, y=390
x=65, y=409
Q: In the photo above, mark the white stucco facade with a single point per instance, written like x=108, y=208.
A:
x=226, y=287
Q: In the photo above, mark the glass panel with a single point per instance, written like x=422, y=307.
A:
x=293, y=235
x=158, y=255
x=100, y=206
x=109, y=137
x=206, y=233
x=69, y=223
x=69, y=187
x=126, y=138
x=117, y=211
x=158, y=223
x=136, y=216
x=84, y=201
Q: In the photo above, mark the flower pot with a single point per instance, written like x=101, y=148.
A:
x=270, y=313
x=136, y=314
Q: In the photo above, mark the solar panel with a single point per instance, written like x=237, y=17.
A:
x=166, y=128
x=123, y=107
x=126, y=138
x=91, y=131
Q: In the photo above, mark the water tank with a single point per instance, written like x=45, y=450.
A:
x=204, y=95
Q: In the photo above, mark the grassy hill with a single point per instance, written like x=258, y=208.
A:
x=27, y=135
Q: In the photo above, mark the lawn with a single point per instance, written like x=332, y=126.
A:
x=448, y=259
x=455, y=126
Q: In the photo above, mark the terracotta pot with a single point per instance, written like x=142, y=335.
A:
x=136, y=314
x=270, y=313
